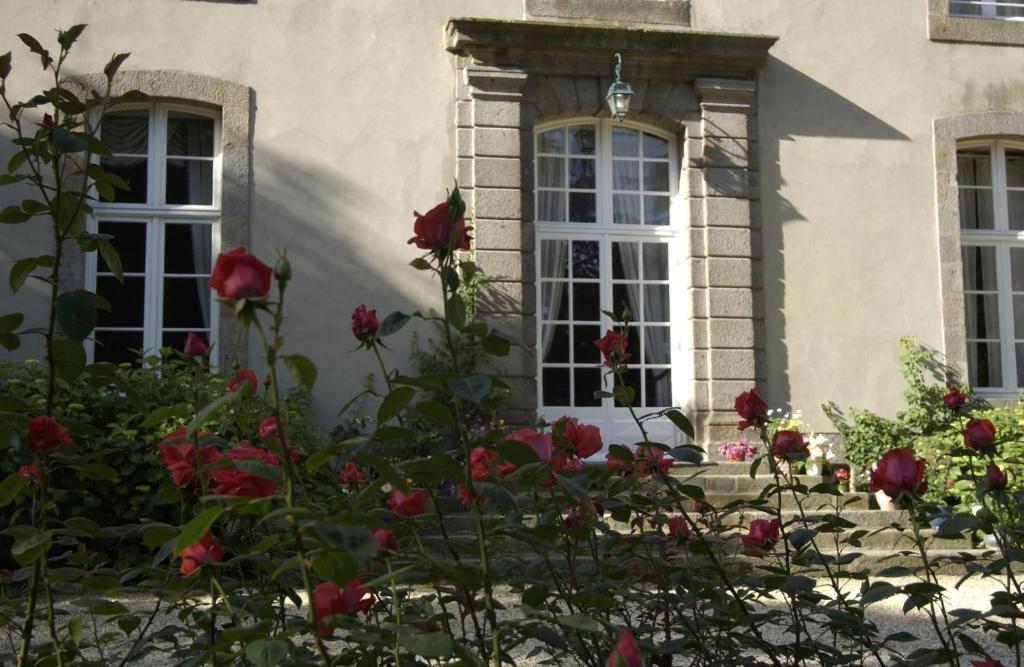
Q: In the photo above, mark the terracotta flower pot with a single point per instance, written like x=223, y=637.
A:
x=736, y=458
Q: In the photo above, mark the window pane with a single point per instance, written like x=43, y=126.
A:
x=186, y=303
x=556, y=343
x=588, y=381
x=1014, y=168
x=582, y=207
x=188, y=249
x=1018, y=317
x=625, y=142
x=973, y=167
x=655, y=261
x=1015, y=208
x=625, y=174
x=586, y=259
x=552, y=141
x=582, y=140
x=127, y=301
x=984, y=365
x=189, y=134
x=626, y=209
x=176, y=339
x=126, y=131
x=117, y=346
x=1017, y=269
x=658, y=387
x=190, y=182
x=626, y=296
x=551, y=172
x=656, y=176
x=581, y=174
x=584, y=349
x=979, y=268
x=1009, y=12
x=134, y=171
x=982, y=315
x=655, y=210
x=976, y=209
x=554, y=301
x=129, y=241
x=656, y=308
x=657, y=345
x=632, y=379
x=556, y=386
x=586, y=302
x=964, y=8
x=1020, y=365
x=554, y=258
x=655, y=146
x=624, y=261
x=551, y=206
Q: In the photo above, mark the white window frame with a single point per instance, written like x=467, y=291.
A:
x=989, y=9
x=617, y=424
x=155, y=213
x=1002, y=238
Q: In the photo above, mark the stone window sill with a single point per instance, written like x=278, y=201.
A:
x=945, y=28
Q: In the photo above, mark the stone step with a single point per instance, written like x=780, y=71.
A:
x=810, y=502
x=742, y=483
x=733, y=468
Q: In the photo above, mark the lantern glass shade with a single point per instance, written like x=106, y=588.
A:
x=618, y=98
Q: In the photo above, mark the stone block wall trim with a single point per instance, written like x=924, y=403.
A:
x=947, y=132
x=945, y=28
x=666, y=13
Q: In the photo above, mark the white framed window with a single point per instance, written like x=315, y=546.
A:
x=165, y=227
x=990, y=9
x=990, y=181
x=609, y=237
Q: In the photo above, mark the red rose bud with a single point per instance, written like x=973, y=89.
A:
x=585, y=439
x=994, y=479
x=328, y=600
x=790, y=446
x=437, y=231
x=386, y=539
x=268, y=427
x=409, y=505
x=197, y=554
x=239, y=275
x=47, y=120
x=44, y=432
x=195, y=346
x=898, y=472
x=626, y=652
x=283, y=270
x=752, y=410
x=350, y=474
x=761, y=536
x=243, y=377
x=364, y=323
x=31, y=472
x=677, y=527
x=980, y=435
x=954, y=398
x=481, y=462
x=614, y=348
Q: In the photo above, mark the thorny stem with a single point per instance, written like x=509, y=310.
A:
x=949, y=645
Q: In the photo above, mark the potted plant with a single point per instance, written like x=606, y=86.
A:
x=822, y=454
x=738, y=450
x=841, y=476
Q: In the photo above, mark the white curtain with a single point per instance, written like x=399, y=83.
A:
x=657, y=346
x=553, y=262
x=202, y=255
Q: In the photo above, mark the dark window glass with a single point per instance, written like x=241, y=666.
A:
x=186, y=303
x=129, y=239
x=190, y=182
x=187, y=249
x=117, y=346
x=134, y=172
x=189, y=134
x=127, y=301
x=588, y=381
x=556, y=386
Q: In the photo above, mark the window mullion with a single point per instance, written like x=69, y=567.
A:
x=999, y=202
x=1007, y=352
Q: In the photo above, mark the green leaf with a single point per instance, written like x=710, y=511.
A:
x=516, y=452
x=97, y=471
x=165, y=412
x=436, y=412
x=393, y=403
x=69, y=358
x=302, y=369
x=580, y=622
x=68, y=37
x=498, y=495
x=157, y=535
x=10, y=487
x=420, y=264
x=472, y=388
x=27, y=544
x=267, y=652
x=432, y=471
x=955, y=525
x=681, y=422
x=9, y=341
x=213, y=409
x=426, y=645
x=13, y=215
x=337, y=566
x=68, y=142
x=196, y=528
x=33, y=207
x=110, y=256
x=259, y=468
x=393, y=323
x=496, y=345
x=357, y=541
x=457, y=311
x=385, y=470
x=5, y=65
x=9, y=323
x=74, y=628
x=35, y=47
x=77, y=315
x=110, y=69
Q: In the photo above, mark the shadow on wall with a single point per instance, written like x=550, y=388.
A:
x=792, y=104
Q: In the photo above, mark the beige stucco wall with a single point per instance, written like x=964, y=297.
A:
x=354, y=128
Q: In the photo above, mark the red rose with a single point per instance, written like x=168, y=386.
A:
x=195, y=345
x=206, y=550
x=585, y=439
x=538, y=442
x=351, y=474
x=268, y=427
x=328, y=599
x=626, y=652
x=980, y=435
x=364, y=323
x=761, y=536
x=613, y=347
x=994, y=479
x=752, y=410
x=481, y=462
x=677, y=527
x=46, y=432
x=386, y=539
x=243, y=377
x=413, y=504
x=898, y=472
x=31, y=472
x=435, y=230
x=616, y=464
x=239, y=275
x=954, y=398
x=986, y=663
x=648, y=459
x=467, y=500
x=232, y=481
x=790, y=446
